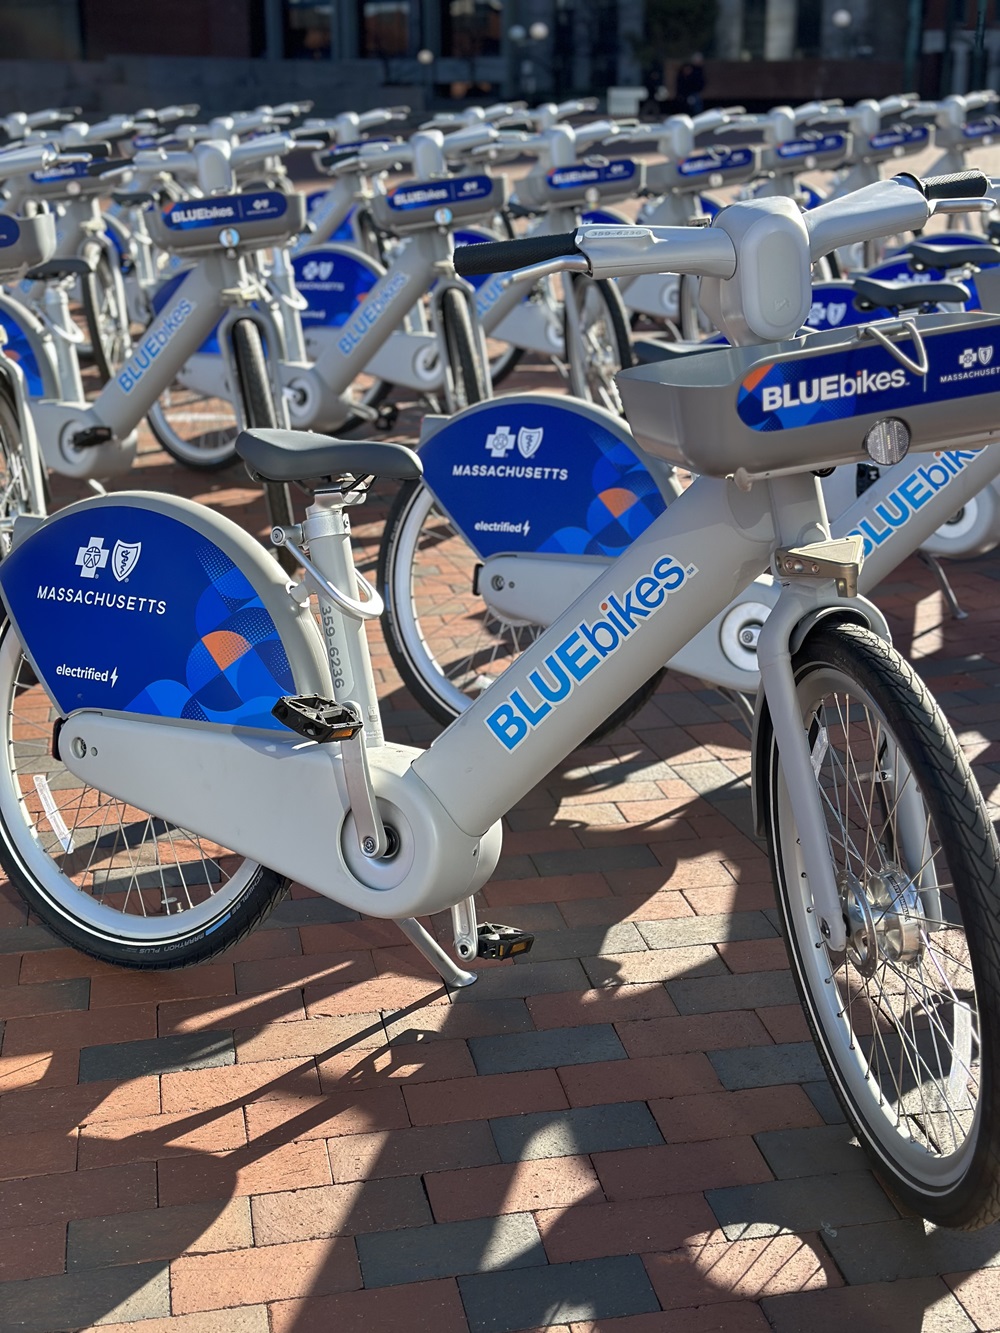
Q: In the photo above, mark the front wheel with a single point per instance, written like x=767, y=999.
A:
x=115, y=881
x=260, y=412
x=907, y=1017
x=447, y=644
x=105, y=310
x=464, y=370
x=603, y=345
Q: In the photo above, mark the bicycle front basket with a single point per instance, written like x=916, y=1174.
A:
x=809, y=403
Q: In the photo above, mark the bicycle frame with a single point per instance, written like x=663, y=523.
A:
x=168, y=342
x=636, y=615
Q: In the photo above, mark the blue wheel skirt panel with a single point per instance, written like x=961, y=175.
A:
x=126, y=608
x=538, y=476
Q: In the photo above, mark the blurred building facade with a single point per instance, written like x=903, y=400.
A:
x=107, y=54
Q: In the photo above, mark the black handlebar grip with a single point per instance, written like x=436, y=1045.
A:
x=501, y=256
x=959, y=185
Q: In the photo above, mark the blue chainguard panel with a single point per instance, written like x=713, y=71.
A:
x=865, y=379
x=537, y=477
x=333, y=284
x=128, y=609
x=20, y=350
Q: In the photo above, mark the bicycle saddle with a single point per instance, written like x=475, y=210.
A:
x=71, y=266
x=954, y=256
x=298, y=455
x=899, y=295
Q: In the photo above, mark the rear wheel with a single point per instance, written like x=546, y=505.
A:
x=907, y=1018
x=198, y=429
x=447, y=644
x=110, y=879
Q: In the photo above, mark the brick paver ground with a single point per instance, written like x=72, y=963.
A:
x=628, y=1133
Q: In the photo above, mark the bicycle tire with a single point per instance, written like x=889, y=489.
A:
x=468, y=383
x=210, y=447
x=91, y=867
x=504, y=362
x=259, y=411
x=607, y=341
x=102, y=296
x=934, y=966
x=16, y=485
x=447, y=650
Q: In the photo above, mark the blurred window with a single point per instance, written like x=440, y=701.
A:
x=40, y=30
x=307, y=29
x=385, y=28
x=471, y=28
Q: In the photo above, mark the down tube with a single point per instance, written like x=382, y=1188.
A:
x=633, y=618
x=162, y=349
x=912, y=500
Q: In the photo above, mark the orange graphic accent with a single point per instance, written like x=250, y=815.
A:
x=225, y=647
x=617, y=500
x=751, y=380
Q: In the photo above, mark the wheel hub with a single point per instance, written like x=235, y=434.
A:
x=885, y=918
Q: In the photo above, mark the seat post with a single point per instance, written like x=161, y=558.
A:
x=327, y=532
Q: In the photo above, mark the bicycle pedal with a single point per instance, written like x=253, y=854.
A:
x=496, y=941
x=92, y=437
x=387, y=415
x=316, y=718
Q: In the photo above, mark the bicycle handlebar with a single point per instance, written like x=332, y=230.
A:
x=903, y=203
x=502, y=256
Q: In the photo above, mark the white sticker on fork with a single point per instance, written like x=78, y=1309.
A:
x=818, y=753
x=52, y=810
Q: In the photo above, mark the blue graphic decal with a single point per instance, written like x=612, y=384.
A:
x=73, y=172
x=9, y=230
x=224, y=210
x=708, y=206
x=981, y=129
x=784, y=395
x=314, y=208
x=900, y=136
x=810, y=145
x=539, y=477
x=128, y=609
x=602, y=217
x=431, y=194
x=834, y=307
x=715, y=159
x=19, y=349
x=333, y=283
x=162, y=297
x=565, y=178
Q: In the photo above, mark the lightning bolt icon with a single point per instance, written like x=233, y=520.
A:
x=114, y=676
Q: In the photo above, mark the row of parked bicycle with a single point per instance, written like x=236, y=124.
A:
x=182, y=735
